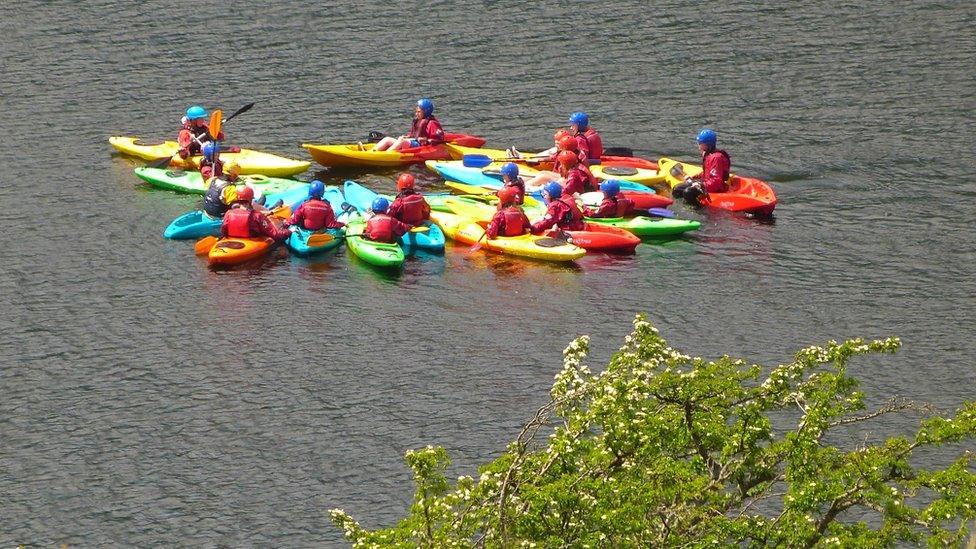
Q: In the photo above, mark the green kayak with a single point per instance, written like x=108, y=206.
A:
x=648, y=226
x=192, y=182
x=379, y=254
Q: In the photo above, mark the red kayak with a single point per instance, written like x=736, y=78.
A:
x=603, y=238
x=745, y=194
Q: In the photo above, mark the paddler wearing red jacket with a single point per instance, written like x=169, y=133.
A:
x=588, y=140
x=509, y=220
x=195, y=132
x=716, y=166
x=611, y=206
x=575, y=176
x=424, y=130
x=511, y=180
x=241, y=221
x=315, y=214
x=562, y=212
x=381, y=227
x=409, y=206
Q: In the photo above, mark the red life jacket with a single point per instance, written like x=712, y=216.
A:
x=380, y=228
x=713, y=161
x=625, y=206
x=237, y=223
x=414, y=208
x=429, y=128
x=577, y=180
x=571, y=219
x=594, y=143
x=317, y=214
x=514, y=222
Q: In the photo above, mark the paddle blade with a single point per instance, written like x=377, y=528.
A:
x=420, y=229
x=241, y=110
x=661, y=212
x=320, y=239
x=216, y=119
x=283, y=212
x=202, y=247
x=477, y=245
x=476, y=160
x=160, y=163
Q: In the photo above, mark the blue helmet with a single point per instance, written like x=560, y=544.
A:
x=196, y=112
x=380, y=205
x=580, y=119
x=610, y=187
x=707, y=137
x=210, y=149
x=555, y=190
x=426, y=105
x=316, y=189
x=510, y=170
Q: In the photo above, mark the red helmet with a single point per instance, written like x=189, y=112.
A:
x=567, y=159
x=507, y=195
x=567, y=143
x=405, y=181
x=245, y=193
x=560, y=133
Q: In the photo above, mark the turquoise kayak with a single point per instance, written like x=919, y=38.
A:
x=432, y=240
x=298, y=241
x=197, y=224
x=457, y=171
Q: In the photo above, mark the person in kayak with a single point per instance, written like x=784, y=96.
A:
x=611, y=206
x=714, y=178
x=242, y=221
x=195, y=132
x=409, y=206
x=511, y=179
x=315, y=214
x=587, y=139
x=576, y=178
x=566, y=144
x=381, y=227
x=222, y=191
x=562, y=212
x=509, y=220
x=425, y=130
x=210, y=164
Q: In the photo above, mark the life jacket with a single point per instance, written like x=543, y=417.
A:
x=380, y=228
x=571, y=218
x=414, y=208
x=625, y=206
x=419, y=127
x=213, y=200
x=317, y=214
x=594, y=143
x=577, y=180
x=237, y=223
x=514, y=221
x=725, y=173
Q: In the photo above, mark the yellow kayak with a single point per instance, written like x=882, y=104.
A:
x=352, y=155
x=467, y=231
x=250, y=161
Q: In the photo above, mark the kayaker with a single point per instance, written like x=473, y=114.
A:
x=222, y=191
x=242, y=221
x=315, y=214
x=588, y=140
x=562, y=212
x=611, y=206
x=210, y=164
x=381, y=227
x=409, y=206
x=509, y=220
x=195, y=132
x=564, y=143
x=425, y=130
x=716, y=166
x=511, y=179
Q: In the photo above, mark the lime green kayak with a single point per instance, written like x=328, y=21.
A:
x=379, y=254
x=192, y=182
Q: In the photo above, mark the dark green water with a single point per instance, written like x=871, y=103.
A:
x=149, y=401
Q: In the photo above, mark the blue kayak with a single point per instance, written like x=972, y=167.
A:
x=432, y=240
x=197, y=224
x=298, y=241
x=457, y=171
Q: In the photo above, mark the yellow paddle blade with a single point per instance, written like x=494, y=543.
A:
x=283, y=212
x=420, y=229
x=202, y=247
x=319, y=239
x=216, y=120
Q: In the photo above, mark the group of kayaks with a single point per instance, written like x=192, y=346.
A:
x=468, y=168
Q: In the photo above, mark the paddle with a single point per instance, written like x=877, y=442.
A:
x=482, y=160
x=215, y=124
x=420, y=229
x=320, y=239
x=661, y=212
x=216, y=120
x=241, y=110
x=203, y=246
x=477, y=245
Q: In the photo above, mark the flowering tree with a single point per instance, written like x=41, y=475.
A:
x=662, y=449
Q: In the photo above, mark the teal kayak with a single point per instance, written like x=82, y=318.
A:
x=432, y=240
x=298, y=241
x=197, y=224
x=380, y=254
x=192, y=182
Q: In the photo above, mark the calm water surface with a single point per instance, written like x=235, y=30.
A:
x=150, y=401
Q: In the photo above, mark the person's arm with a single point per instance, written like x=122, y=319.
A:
x=496, y=225
x=545, y=223
x=400, y=228
x=297, y=216
x=331, y=221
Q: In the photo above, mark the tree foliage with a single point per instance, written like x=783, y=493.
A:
x=663, y=449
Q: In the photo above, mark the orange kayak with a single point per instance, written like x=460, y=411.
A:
x=233, y=251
